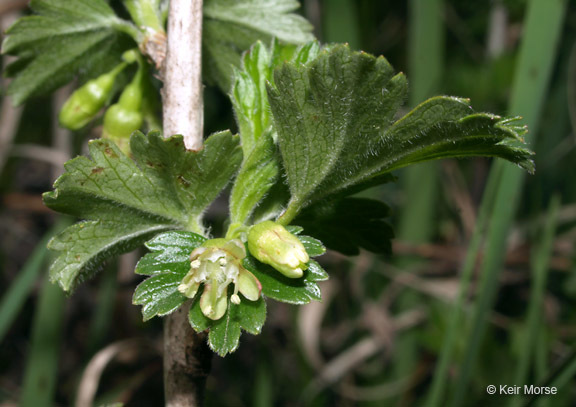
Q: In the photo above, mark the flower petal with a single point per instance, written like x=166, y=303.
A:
x=212, y=305
x=188, y=287
x=249, y=285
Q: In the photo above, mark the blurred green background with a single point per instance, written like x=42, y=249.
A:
x=480, y=289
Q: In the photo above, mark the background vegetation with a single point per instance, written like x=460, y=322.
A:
x=480, y=289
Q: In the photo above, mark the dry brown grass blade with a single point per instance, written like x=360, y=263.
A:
x=310, y=319
x=455, y=186
x=49, y=155
x=92, y=374
x=356, y=354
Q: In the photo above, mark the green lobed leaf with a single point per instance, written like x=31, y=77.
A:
x=159, y=294
x=127, y=202
x=273, y=203
x=295, y=230
x=224, y=335
x=64, y=39
x=167, y=264
x=260, y=168
x=314, y=247
x=84, y=246
x=232, y=26
x=192, y=180
x=290, y=290
x=336, y=129
x=249, y=94
x=169, y=251
x=348, y=224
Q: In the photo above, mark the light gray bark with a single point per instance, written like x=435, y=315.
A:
x=187, y=357
x=182, y=93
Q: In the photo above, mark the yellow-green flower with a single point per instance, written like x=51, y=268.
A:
x=217, y=264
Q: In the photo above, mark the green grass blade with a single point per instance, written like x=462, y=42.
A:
x=537, y=54
x=534, y=321
x=19, y=290
x=104, y=312
x=426, y=48
x=15, y=296
x=426, y=62
x=340, y=23
x=498, y=225
x=263, y=393
x=440, y=378
x=565, y=373
x=541, y=363
x=42, y=364
x=426, y=54
x=558, y=378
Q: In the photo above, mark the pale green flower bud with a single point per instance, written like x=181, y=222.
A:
x=272, y=244
x=217, y=264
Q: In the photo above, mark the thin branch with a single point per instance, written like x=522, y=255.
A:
x=187, y=361
x=92, y=374
x=182, y=92
x=496, y=38
x=357, y=353
x=187, y=358
x=9, y=115
x=12, y=5
x=49, y=155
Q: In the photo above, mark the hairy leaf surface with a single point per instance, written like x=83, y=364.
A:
x=232, y=26
x=336, y=125
x=260, y=168
x=63, y=39
x=126, y=202
x=261, y=165
x=167, y=264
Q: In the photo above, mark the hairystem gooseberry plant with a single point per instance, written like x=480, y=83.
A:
x=316, y=125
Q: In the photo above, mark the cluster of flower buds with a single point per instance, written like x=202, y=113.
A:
x=122, y=118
